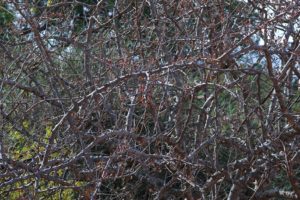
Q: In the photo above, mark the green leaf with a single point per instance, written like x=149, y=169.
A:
x=48, y=130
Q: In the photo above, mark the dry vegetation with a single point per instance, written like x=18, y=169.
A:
x=149, y=99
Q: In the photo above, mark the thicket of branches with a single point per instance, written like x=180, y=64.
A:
x=149, y=99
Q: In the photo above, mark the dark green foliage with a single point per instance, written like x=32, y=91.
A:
x=6, y=16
